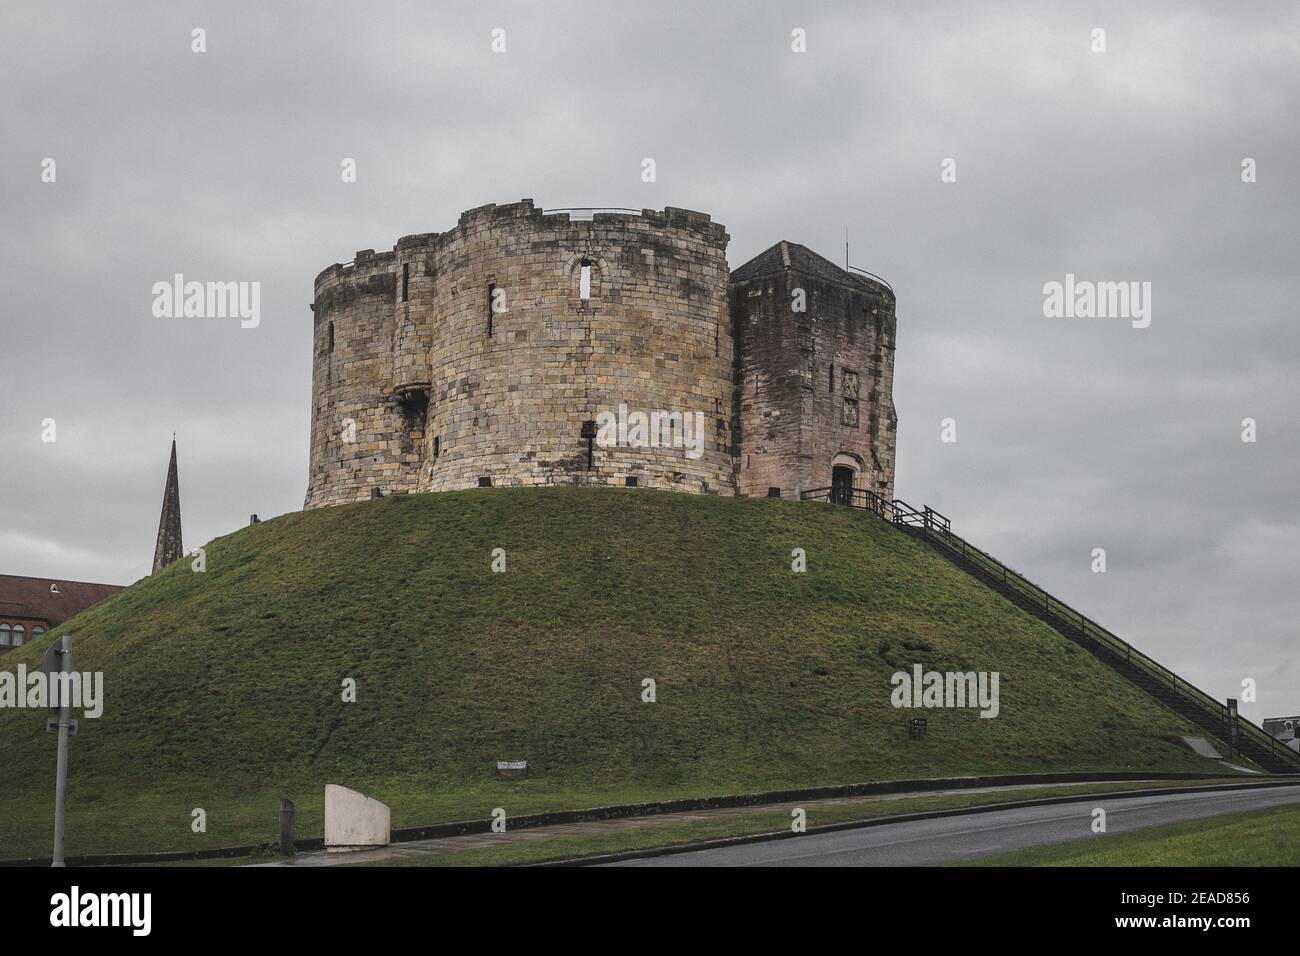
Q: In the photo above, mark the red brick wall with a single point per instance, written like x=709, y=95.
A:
x=28, y=626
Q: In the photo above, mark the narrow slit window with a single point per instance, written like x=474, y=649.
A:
x=491, y=294
x=330, y=347
x=831, y=379
x=584, y=282
x=406, y=280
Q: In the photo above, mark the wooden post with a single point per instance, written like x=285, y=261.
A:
x=286, y=827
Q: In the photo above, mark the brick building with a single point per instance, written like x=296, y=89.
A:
x=502, y=351
x=31, y=606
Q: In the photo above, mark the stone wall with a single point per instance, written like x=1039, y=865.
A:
x=357, y=439
x=444, y=394
x=474, y=356
x=814, y=387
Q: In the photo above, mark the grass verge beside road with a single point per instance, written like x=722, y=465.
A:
x=1258, y=838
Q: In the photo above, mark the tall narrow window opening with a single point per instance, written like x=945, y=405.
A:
x=584, y=281
x=406, y=280
x=491, y=294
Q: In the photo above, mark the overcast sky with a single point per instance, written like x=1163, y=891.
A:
x=1072, y=434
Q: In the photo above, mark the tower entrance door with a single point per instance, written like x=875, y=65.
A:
x=842, y=485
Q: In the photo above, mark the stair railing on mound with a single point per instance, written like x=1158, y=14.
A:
x=938, y=530
x=895, y=511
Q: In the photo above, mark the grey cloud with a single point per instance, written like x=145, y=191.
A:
x=1072, y=434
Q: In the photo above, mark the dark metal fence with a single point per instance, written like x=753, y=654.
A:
x=937, y=529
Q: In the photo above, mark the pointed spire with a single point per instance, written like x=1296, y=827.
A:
x=169, y=547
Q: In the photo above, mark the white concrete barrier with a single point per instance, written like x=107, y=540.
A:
x=353, y=820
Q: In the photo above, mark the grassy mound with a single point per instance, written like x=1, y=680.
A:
x=224, y=689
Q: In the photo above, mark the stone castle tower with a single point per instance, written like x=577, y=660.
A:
x=498, y=352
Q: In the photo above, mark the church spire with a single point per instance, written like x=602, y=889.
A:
x=169, y=548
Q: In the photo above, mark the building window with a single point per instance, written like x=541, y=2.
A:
x=330, y=346
x=849, y=389
x=406, y=280
x=437, y=446
x=491, y=295
x=4, y=635
x=20, y=633
x=37, y=631
x=831, y=379
x=584, y=281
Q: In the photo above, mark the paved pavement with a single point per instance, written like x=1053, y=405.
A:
x=948, y=839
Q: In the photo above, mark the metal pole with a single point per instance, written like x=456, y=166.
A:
x=286, y=827
x=61, y=773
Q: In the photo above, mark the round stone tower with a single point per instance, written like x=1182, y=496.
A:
x=359, y=438
x=525, y=348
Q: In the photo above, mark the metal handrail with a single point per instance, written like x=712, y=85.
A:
x=591, y=209
x=939, y=529
x=872, y=275
x=894, y=510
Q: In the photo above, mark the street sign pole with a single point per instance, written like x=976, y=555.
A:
x=59, y=661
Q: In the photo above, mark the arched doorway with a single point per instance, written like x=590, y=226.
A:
x=842, y=485
x=845, y=472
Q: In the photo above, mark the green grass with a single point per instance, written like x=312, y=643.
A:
x=223, y=688
x=1257, y=838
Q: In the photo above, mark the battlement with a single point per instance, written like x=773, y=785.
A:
x=365, y=260
x=492, y=215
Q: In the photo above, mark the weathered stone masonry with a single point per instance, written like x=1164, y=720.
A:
x=814, y=386
x=420, y=384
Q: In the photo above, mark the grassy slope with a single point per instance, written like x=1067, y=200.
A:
x=223, y=688
x=1257, y=838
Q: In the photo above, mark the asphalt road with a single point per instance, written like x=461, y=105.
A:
x=947, y=839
